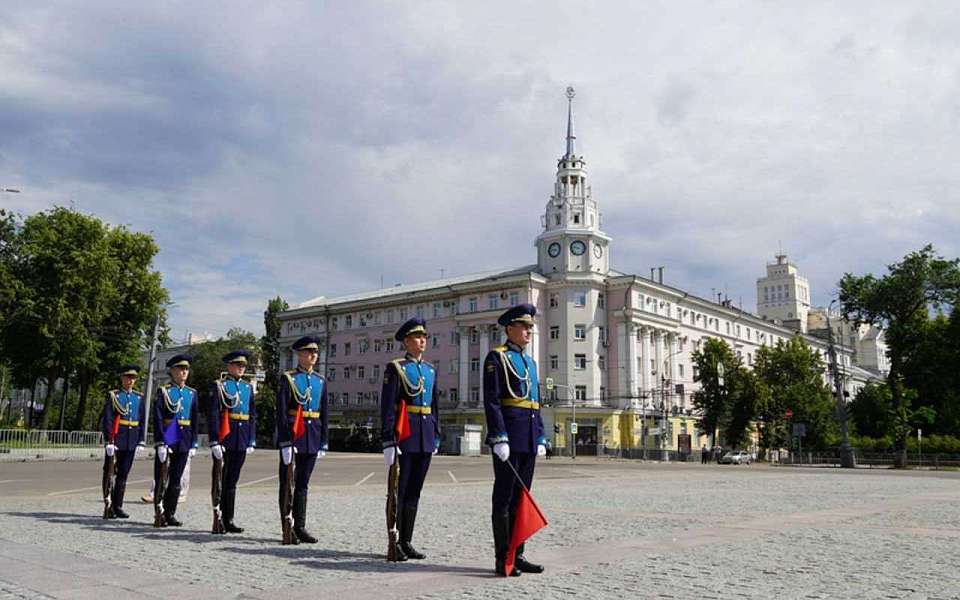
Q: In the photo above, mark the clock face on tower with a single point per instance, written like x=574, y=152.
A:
x=578, y=247
x=597, y=250
x=553, y=250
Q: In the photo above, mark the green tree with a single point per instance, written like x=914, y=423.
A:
x=270, y=357
x=900, y=302
x=73, y=278
x=872, y=411
x=792, y=372
x=747, y=394
x=712, y=399
x=208, y=364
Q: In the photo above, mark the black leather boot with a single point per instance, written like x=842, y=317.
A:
x=300, y=518
x=523, y=564
x=227, y=505
x=170, y=500
x=406, y=533
x=501, y=542
x=117, y=500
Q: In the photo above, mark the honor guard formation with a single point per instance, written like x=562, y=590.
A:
x=410, y=426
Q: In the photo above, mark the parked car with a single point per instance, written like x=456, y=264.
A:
x=736, y=457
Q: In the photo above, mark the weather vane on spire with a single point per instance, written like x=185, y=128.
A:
x=571, y=92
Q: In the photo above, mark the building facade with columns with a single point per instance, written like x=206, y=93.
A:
x=617, y=346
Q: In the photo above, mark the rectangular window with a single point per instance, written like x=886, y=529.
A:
x=580, y=298
x=420, y=311
x=375, y=397
x=680, y=370
x=361, y=371
x=601, y=301
x=377, y=316
x=474, y=365
x=554, y=300
x=581, y=392
x=376, y=371
x=474, y=336
x=346, y=348
x=602, y=332
x=454, y=366
x=389, y=315
x=377, y=345
x=389, y=346
x=345, y=399
x=554, y=361
x=434, y=341
x=403, y=314
x=362, y=319
x=472, y=305
x=335, y=323
x=602, y=361
x=492, y=302
x=514, y=298
x=554, y=332
x=332, y=375
x=348, y=321
x=454, y=395
x=436, y=310
x=580, y=361
x=454, y=338
x=362, y=346
x=580, y=332
x=603, y=393
x=333, y=350
x=474, y=395
x=346, y=372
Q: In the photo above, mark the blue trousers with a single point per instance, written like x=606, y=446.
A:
x=413, y=472
x=506, y=488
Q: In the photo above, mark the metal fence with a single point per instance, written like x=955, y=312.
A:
x=829, y=458
x=47, y=444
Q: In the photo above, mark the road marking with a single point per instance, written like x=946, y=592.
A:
x=86, y=489
x=256, y=481
x=371, y=474
x=450, y=473
x=14, y=480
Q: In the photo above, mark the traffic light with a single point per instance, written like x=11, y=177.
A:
x=556, y=428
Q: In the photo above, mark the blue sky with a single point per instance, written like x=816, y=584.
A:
x=305, y=149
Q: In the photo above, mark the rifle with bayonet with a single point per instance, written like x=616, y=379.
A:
x=110, y=471
x=216, y=495
x=286, y=519
x=160, y=489
x=393, y=483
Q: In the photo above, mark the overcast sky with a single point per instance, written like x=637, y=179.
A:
x=309, y=149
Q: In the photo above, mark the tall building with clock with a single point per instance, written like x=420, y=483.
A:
x=617, y=347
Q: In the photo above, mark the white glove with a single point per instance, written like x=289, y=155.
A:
x=435, y=451
x=250, y=449
x=162, y=453
x=286, y=454
x=216, y=451
x=321, y=453
x=111, y=449
x=192, y=453
x=138, y=449
x=389, y=455
x=502, y=450
x=541, y=450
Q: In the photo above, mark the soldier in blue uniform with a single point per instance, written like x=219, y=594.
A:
x=304, y=389
x=231, y=398
x=174, y=419
x=511, y=401
x=122, y=426
x=412, y=381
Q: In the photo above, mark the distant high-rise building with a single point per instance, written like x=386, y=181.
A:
x=784, y=295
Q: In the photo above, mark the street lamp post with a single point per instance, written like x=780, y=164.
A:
x=847, y=458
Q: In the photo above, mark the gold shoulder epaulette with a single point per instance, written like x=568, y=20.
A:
x=502, y=348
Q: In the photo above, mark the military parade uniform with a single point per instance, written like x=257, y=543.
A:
x=232, y=403
x=175, y=416
x=306, y=391
x=511, y=401
x=412, y=382
x=122, y=426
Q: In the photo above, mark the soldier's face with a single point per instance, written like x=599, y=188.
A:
x=415, y=343
x=307, y=358
x=519, y=333
x=179, y=374
x=236, y=369
x=127, y=381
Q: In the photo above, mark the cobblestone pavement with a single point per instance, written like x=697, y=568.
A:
x=670, y=531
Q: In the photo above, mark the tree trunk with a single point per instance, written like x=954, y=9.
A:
x=78, y=424
x=900, y=410
x=51, y=382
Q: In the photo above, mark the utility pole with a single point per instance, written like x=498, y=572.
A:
x=150, y=366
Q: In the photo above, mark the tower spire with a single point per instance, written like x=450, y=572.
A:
x=570, y=137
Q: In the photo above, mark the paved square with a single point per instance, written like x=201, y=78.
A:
x=617, y=529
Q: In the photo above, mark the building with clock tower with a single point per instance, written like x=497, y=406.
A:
x=617, y=347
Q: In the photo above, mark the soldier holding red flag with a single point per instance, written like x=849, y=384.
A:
x=232, y=424
x=511, y=402
x=301, y=431
x=122, y=426
x=410, y=426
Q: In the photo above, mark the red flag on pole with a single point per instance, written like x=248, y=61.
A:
x=116, y=428
x=403, y=423
x=298, y=428
x=529, y=521
x=224, y=425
